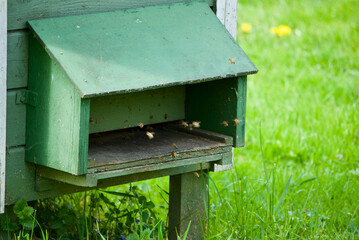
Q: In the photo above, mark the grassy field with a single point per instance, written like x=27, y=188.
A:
x=303, y=113
x=304, y=102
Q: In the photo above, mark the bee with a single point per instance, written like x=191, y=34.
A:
x=141, y=125
x=232, y=61
x=190, y=126
x=237, y=121
x=196, y=173
x=174, y=154
x=175, y=146
x=150, y=135
x=196, y=124
x=225, y=123
x=184, y=124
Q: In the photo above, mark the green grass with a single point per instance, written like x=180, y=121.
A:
x=305, y=103
x=303, y=112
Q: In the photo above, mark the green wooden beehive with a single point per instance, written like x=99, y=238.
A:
x=94, y=78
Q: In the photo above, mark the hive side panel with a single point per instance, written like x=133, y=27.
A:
x=219, y=106
x=53, y=125
x=22, y=11
x=17, y=60
x=15, y=120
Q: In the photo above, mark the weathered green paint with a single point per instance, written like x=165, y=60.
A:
x=26, y=97
x=15, y=120
x=90, y=180
x=144, y=48
x=188, y=204
x=128, y=110
x=19, y=12
x=53, y=126
x=218, y=101
x=17, y=62
x=23, y=183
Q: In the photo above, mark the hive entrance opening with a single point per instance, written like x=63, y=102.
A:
x=134, y=147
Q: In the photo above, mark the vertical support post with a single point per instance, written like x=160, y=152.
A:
x=227, y=14
x=188, y=203
x=3, y=62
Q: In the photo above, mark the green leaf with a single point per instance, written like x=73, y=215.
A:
x=7, y=225
x=19, y=205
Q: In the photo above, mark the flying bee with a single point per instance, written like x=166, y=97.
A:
x=174, y=154
x=232, y=61
x=196, y=124
x=184, y=124
x=175, y=146
x=141, y=125
x=196, y=173
x=237, y=121
x=225, y=123
x=150, y=135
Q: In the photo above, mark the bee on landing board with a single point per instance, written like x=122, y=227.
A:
x=150, y=135
x=184, y=124
x=196, y=124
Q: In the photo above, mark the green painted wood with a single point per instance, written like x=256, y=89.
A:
x=90, y=180
x=187, y=204
x=218, y=101
x=15, y=120
x=17, y=62
x=19, y=12
x=129, y=110
x=87, y=180
x=143, y=48
x=53, y=136
x=23, y=183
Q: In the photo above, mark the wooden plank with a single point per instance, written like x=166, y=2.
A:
x=128, y=148
x=3, y=61
x=118, y=52
x=15, y=120
x=227, y=14
x=53, y=126
x=188, y=204
x=128, y=110
x=22, y=183
x=161, y=166
x=214, y=102
x=17, y=62
x=22, y=11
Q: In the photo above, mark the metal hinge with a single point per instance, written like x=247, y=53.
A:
x=26, y=97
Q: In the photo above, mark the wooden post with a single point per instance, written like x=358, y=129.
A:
x=187, y=204
x=227, y=14
x=3, y=61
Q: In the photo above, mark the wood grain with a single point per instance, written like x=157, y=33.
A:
x=3, y=61
x=227, y=14
x=17, y=61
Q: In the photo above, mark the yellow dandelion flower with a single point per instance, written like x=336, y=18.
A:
x=246, y=27
x=281, y=30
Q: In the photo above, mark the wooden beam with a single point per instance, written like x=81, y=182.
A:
x=227, y=14
x=3, y=61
